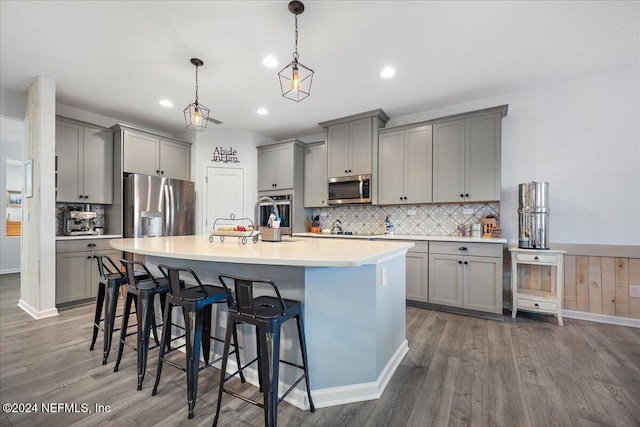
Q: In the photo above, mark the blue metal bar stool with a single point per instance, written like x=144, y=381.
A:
x=267, y=314
x=143, y=291
x=196, y=303
x=110, y=282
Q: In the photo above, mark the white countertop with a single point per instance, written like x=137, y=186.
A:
x=414, y=237
x=89, y=236
x=296, y=251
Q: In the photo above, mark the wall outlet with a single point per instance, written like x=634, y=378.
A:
x=467, y=211
x=634, y=291
x=412, y=212
x=384, y=276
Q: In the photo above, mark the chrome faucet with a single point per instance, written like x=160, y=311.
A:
x=336, y=226
x=265, y=199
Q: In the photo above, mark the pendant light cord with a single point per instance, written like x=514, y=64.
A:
x=295, y=46
x=196, y=85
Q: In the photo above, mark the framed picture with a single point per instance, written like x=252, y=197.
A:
x=27, y=178
x=14, y=199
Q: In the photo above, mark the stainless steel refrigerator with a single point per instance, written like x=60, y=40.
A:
x=158, y=206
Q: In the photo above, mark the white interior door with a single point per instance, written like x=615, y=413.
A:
x=225, y=196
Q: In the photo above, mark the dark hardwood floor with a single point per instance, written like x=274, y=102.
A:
x=459, y=371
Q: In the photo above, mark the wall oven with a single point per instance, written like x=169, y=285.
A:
x=350, y=189
x=284, y=204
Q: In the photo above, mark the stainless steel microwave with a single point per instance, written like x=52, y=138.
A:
x=350, y=189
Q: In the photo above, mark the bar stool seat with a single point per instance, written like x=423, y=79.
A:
x=196, y=303
x=111, y=279
x=267, y=314
x=142, y=291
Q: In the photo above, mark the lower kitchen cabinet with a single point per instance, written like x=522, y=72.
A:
x=466, y=275
x=418, y=273
x=77, y=270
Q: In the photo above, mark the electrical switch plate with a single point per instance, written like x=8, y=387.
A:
x=634, y=291
x=384, y=276
x=412, y=211
x=467, y=211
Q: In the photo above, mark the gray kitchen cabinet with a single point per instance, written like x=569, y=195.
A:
x=279, y=164
x=466, y=275
x=77, y=270
x=350, y=143
x=315, y=175
x=84, y=164
x=405, y=170
x=417, y=278
x=466, y=159
x=149, y=154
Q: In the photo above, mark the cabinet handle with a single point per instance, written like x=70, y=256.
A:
x=86, y=197
x=89, y=257
x=535, y=258
x=162, y=172
x=465, y=263
x=91, y=245
x=405, y=197
x=157, y=170
x=81, y=197
x=466, y=195
x=536, y=305
x=461, y=195
x=459, y=262
x=400, y=197
x=462, y=248
x=346, y=171
x=349, y=170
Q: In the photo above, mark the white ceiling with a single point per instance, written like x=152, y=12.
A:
x=119, y=58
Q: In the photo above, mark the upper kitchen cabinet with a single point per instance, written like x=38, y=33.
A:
x=154, y=155
x=84, y=163
x=280, y=165
x=315, y=175
x=466, y=157
x=405, y=165
x=351, y=143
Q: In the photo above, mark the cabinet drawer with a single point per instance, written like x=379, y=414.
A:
x=466, y=248
x=533, y=258
x=420, y=246
x=81, y=245
x=537, y=305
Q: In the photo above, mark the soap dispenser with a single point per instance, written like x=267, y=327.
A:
x=387, y=226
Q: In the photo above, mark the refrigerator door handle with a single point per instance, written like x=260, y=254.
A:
x=172, y=210
x=167, y=212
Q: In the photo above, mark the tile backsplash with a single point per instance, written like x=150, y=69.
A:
x=434, y=219
x=61, y=207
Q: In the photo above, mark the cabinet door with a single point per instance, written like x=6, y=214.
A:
x=72, y=283
x=483, y=284
x=175, y=160
x=98, y=166
x=417, y=165
x=283, y=171
x=482, y=170
x=448, y=161
x=338, y=150
x=445, y=280
x=141, y=153
x=391, y=168
x=315, y=176
x=360, y=147
x=69, y=170
x=266, y=165
x=417, y=276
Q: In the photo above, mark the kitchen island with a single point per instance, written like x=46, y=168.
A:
x=354, y=304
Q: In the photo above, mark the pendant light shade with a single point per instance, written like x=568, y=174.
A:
x=296, y=78
x=196, y=115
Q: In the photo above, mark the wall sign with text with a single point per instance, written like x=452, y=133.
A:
x=225, y=155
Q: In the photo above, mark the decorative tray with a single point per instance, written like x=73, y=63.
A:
x=249, y=230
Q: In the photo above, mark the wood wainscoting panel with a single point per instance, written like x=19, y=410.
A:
x=608, y=282
x=582, y=283
x=622, y=287
x=595, y=285
x=569, y=291
x=634, y=279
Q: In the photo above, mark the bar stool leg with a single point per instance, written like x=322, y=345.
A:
x=123, y=328
x=236, y=348
x=163, y=346
x=303, y=350
x=206, y=333
x=194, y=341
x=145, y=308
x=111, y=303
x=223, y=369
x=270, y=341
x=96, y=319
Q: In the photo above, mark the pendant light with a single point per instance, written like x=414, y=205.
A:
x=196, y=115
x=296, y=78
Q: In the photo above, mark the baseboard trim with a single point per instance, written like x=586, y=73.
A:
x=601, y=318
x=10, y=271
x=36, y=314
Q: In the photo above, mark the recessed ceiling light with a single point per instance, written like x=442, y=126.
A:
x=270, y=62
x=387, y=72
x=166, y=103
x=262, y=111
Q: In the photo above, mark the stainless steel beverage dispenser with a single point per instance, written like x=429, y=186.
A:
x=533, y=212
